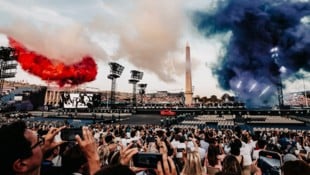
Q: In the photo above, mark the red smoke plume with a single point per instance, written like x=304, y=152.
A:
x=53, y=70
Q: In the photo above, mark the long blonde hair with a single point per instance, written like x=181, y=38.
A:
x=192, y=164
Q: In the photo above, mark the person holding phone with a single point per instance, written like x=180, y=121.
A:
x=22, y=149
x=167, y=166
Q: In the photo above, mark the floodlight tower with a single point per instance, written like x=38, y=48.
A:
x=115, y=72
x=8, y=65
x=275, y=56
x=136, y=76
x=142, y=87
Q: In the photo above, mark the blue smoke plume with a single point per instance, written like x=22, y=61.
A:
x=249, y=68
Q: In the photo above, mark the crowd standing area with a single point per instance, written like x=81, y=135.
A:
x=40, y=147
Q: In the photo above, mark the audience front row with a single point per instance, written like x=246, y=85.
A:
x=107, y=150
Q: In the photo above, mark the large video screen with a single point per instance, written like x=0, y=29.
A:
x=77, y=100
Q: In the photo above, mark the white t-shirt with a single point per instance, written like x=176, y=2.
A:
x=175, y=143
x=202, y=153
x=245, y=151
x=180, y=154
x=204, y=145
x=255, y=154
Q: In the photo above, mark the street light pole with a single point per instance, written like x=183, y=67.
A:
x=115, y=72
x=142, y=87
x=8, y=64
x=136, y=76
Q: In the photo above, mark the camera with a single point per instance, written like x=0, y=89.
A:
x=180, y=149
x=68, y=134
x=146, y=159
x=270, y=162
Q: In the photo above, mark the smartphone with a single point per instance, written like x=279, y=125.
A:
x=68, y=134
x=146, y=159
x=134, y=144
x=270, y=162
x=301, y=138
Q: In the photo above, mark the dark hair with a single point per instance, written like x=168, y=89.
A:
x=108, y=139
x=295, y=167
x=13, y=145
x=182, y=139
x=261, y=143
x=235, y=146
x=177, y=137
x=231, y=165
x=244, y=138
x=114, y=158
x=212, y=154
x=73, y=159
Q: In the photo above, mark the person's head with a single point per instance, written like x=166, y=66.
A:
x=19, y=149
x=231, y=166
x=213, y=152
x=261, y=144
x=50, y=154
x=73, y=160
x=192, y=164
x=245, y=137
x=235, y=146
x=295, y=167
x=109, y=139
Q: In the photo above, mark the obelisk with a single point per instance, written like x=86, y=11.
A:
x=188, y=78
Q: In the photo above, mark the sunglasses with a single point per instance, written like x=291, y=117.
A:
x=39, y=142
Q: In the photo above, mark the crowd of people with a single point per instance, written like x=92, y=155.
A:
x=103, y=149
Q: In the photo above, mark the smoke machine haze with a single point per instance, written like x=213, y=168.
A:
x=55, y=71
x=256, y=27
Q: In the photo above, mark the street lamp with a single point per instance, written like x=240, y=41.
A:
x=136, y=76
x=115, y=72
x=142, y=87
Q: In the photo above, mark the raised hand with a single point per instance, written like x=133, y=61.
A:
x=89, y=148
x=49, y=142
x=163, y=167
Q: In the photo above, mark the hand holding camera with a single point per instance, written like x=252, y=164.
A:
x=166, y=166
x=49, y=142
x=127, y=153
x=88, y=146
x=68, y=134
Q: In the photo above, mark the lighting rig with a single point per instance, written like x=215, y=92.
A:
x=136, y=76
x=115, y=72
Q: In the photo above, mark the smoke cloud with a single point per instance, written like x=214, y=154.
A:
x=151, y=38
x=55, y=71
x=147, y=33
x=68, y=45
x=256, y=27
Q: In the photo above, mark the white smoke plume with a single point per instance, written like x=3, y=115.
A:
x=148, y=33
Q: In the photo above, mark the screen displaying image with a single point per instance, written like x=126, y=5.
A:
x=77, y=100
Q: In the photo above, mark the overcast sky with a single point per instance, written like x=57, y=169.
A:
x=145, y=35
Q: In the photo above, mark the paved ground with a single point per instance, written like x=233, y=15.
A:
x=125, y=118
x=143, y=119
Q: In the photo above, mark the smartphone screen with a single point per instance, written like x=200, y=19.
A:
x=68, y=134
x=146, y=160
